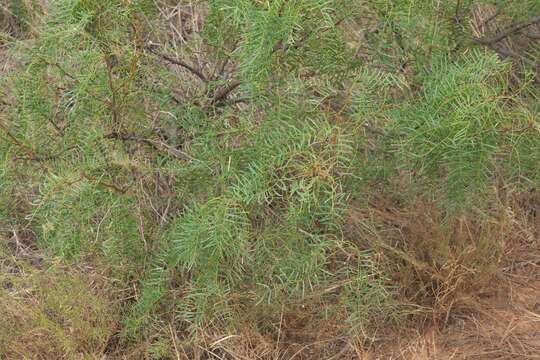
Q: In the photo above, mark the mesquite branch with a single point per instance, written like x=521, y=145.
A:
x=509, y=31
x=497, y=42
x=219, y=96
x=215, y=97
x=173, y=60
x=158, y=145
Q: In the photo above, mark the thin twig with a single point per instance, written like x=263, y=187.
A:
x=114, y=187
x=16, y=141
x=508, y=31
x=158, y=145
x=100, y=223
x=173, y=337
x=456, y=12
x=39, y=158
x=240, y=100
x=513, y=55
x=341, y=352
x=491, y=18
x=222, y=94
x=521, y=264
x=220, y=68
x=176, y=61
x=110, y=79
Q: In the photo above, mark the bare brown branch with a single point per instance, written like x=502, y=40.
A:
x=222, y=93
x=173, y=60
x=509, y=31
x=158, y=145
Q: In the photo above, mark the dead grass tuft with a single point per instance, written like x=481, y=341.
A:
x=52, y=314
x=505, y=326
x=442, y=265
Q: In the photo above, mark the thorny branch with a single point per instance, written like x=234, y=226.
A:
x=217, y=96
x=222, y=93
x=34, y=157
x=14, y=139
x=113, y=89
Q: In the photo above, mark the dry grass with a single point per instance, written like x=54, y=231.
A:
x=19, y=18
x=472, y=283
x=471, y=287
x=505, y=326
x=443, y=266
x=520, y=47
x=295, y=335
x=52, y=313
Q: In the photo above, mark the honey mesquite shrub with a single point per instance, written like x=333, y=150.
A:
x=271, y=239
x=217, y=213
x=213, y=170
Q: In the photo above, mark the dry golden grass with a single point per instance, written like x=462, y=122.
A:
x=504, y=326
x=52, y=313
x=472, y=283
x=444, y=266
x=471, y=288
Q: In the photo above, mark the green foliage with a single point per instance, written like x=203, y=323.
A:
x=217, y=183
x=456, y=135
x=105, y=223
x=271, y=231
